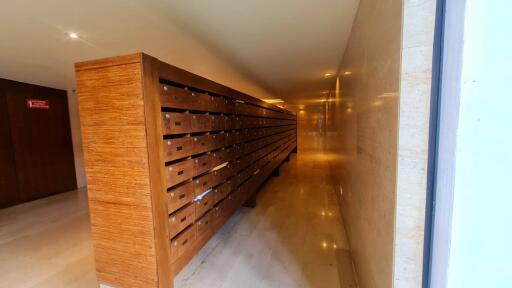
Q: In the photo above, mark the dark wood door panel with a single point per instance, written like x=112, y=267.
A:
x=41, y=140
x=9, y=193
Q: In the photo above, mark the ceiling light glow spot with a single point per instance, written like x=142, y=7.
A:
x=347, y=73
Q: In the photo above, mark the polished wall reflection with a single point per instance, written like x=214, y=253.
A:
x=311, y=121
x=361, y=127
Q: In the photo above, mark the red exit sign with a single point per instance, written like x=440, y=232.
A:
x=38, y=104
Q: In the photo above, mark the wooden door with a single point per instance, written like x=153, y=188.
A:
x=41, y=140
x=9, y=193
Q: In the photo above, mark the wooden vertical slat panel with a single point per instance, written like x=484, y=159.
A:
x=111, y=98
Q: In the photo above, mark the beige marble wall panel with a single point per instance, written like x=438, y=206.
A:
x=415, y=92
x=362, y=127
x=377, y=122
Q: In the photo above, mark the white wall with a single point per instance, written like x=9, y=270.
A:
x=74, y=120
x=481, y=233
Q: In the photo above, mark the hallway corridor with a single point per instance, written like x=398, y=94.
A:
x=293, y=238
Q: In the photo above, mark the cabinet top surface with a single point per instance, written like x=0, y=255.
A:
x=172, y=73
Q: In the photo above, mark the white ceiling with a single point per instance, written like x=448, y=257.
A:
x=285, y=46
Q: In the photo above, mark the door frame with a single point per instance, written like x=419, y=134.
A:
x=445, y=105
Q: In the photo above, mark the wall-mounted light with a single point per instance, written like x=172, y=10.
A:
x=272, y=101
x=377, y=103
x=73, y=35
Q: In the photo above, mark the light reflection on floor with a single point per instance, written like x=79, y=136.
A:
x=293, y=238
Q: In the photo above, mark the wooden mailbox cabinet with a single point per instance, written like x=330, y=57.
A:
x=169, y=158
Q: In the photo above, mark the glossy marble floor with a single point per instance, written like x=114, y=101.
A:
x=46, y=243
x=293, y=238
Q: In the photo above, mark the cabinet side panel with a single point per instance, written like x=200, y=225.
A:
x=116, y=162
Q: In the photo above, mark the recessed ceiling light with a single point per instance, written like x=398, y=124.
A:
x=328, y=74
x=73, y=35
x=347, y=73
